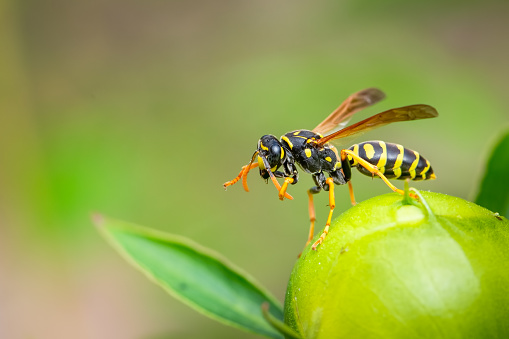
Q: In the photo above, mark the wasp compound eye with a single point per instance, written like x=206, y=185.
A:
x=274, y=155
x=275, y=150
x=270, y=148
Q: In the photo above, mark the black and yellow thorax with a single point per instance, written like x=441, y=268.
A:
x=311, y=157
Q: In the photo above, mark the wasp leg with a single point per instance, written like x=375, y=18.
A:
x=273, y=177
x=312, y=215
x=373, y=169
x=288, y=180
x=346, y=168
x=282, y=191
x=332, y=204
x=343, y=176
x=352, y=196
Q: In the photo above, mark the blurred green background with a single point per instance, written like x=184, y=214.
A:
x=142, y=109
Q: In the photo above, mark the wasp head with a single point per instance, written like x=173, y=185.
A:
x=270, y=154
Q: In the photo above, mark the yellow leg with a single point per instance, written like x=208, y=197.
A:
x=374, y=170
x=332, y=204
x=282, y=191
x=352, y=196
x=278, y=187
x=312, y=217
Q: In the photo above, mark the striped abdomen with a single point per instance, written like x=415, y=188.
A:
x=394, y=161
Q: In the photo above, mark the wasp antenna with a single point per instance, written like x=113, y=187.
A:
x=249, y=167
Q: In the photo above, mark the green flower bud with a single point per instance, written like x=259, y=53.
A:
x=438, y=268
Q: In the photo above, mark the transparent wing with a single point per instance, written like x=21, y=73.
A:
x=406, y=113
x=354, y=103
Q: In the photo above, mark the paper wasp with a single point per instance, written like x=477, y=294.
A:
x=314, y=153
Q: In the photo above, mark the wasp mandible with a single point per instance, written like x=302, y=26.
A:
x=316, y=155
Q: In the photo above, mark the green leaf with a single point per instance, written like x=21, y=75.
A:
x=195, y=275
x=494, y=189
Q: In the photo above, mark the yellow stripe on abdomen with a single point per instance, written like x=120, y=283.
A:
x=383, y=157
x=412, y=168
x=355, y=150
x=399, y=158
x=369, y=150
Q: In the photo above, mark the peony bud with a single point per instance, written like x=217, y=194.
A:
x=435, y=268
